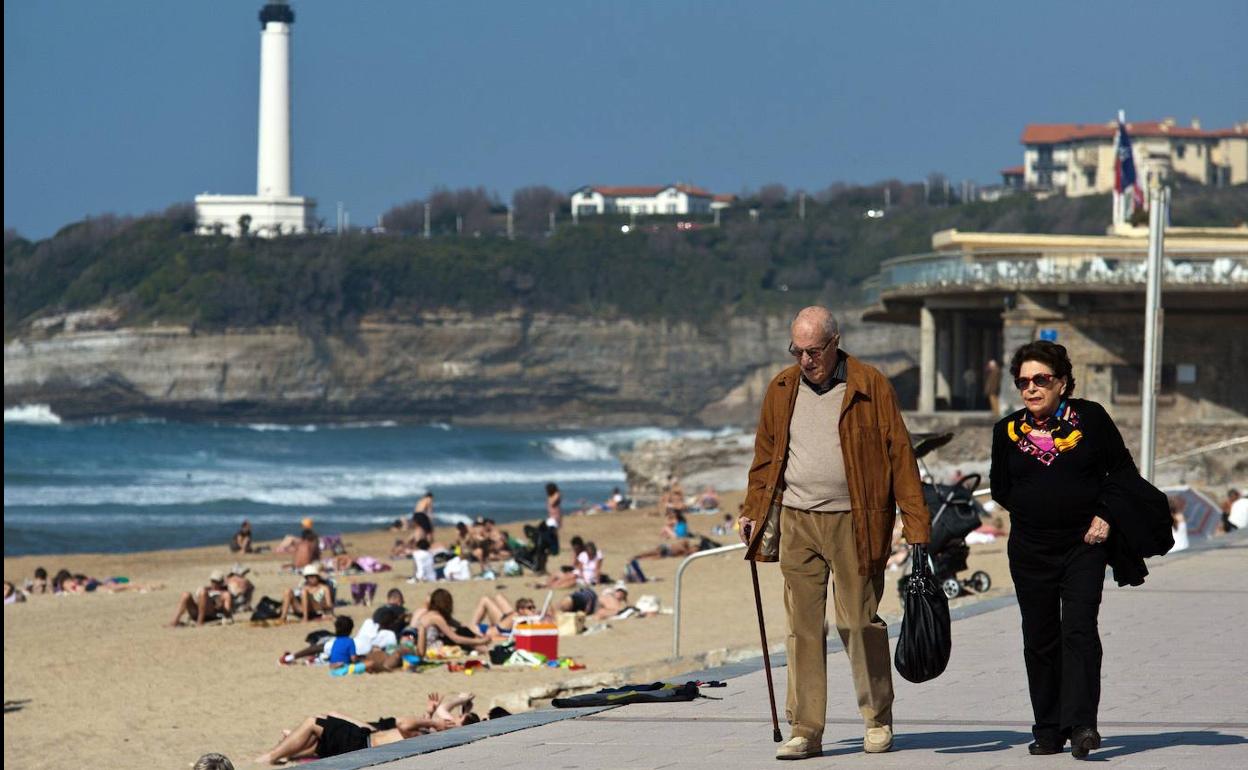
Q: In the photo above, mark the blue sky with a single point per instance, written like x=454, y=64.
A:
x=132, y=105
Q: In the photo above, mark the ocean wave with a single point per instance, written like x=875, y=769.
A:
x=270, y=427
x=31, y=414
x=606, y=445
x=305, y=487
x=578, y=448
x=267, y=427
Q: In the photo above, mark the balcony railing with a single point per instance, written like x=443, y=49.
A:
x=1015, y=270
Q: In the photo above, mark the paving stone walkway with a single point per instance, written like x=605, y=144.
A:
x=1175, y=695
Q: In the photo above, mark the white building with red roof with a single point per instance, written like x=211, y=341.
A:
x=1078, y=158
x=672, y=199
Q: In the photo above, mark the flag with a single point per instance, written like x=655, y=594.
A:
x=1124, y=167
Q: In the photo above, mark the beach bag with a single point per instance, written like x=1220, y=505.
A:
x=924, y=643
x=267, y=609
x=501, y=652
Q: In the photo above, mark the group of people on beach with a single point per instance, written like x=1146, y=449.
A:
x=65, y=582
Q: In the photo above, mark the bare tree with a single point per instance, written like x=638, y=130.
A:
x=773, y=195
x=533, y=206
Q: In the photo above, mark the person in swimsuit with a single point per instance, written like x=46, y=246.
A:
x=495, y=617
x=332, y=734
x=314, y=599
x=580, y=600
x=211, y=602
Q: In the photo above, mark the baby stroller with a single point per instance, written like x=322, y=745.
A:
x=955, y=514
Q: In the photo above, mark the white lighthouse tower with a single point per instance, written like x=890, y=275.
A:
x=272, y=210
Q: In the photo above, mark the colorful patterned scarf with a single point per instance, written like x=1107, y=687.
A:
x=1046, y=439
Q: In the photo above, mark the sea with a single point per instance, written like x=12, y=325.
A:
x=136, y=485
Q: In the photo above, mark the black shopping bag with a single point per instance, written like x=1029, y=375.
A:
x=924, y=644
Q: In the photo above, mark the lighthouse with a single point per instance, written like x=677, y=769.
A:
x=272, y=211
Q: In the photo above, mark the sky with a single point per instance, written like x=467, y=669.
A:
x=130, y=106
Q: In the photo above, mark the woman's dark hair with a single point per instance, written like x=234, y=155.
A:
x=471, y=718
x=60, y=579
x=498, y=712
x=441, y=602
x=552, y=488
x=1051, y=355
x=41, y=573
x=343, y=625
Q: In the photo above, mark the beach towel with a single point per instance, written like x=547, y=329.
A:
x=658, y=692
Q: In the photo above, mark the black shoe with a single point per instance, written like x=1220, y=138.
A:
x=1044, y=748
x=1083, y=740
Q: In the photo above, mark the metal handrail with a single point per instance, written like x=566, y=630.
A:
x=680, y=571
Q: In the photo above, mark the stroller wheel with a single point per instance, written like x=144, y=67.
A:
x=951, y=587
x=981, y=581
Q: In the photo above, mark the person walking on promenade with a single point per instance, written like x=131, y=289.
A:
x=1050, y=463
x=832, y=451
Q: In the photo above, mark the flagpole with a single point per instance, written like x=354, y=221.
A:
x=1117, y=217
x=1159, y=202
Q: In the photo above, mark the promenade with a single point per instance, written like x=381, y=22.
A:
x=1175, y=695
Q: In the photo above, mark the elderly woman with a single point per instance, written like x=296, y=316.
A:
x=1049, y=460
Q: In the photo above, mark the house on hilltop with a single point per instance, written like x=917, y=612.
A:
x=1078, y=158
x=672, y=199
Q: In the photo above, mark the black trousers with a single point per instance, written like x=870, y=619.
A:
x=1059, y=587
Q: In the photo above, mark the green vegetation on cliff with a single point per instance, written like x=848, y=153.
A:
x=153, y=269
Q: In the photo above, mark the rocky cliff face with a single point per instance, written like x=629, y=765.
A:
x=503, y=369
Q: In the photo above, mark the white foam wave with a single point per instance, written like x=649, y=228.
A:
x=440, y=426
x=606, y=445
x=269, y=427
x=578, y=448
x=305, y=487
x=31, y=414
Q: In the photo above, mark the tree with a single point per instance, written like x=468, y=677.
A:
x=532, y=208
x=244, y=225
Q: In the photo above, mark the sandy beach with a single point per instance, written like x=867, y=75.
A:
x=98, y=680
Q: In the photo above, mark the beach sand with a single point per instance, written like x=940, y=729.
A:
x=98, y=679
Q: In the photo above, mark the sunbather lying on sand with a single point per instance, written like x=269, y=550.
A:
x=682, y=547
x=329, y=735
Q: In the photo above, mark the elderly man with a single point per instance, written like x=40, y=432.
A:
x=833, y=456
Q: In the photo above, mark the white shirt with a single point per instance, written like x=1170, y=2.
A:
x=424, y=570
x=457, y=569
x=1239, y=512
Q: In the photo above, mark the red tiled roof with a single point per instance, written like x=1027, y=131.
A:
x=1057, y=133
x=1014, y=171
x=725, y=198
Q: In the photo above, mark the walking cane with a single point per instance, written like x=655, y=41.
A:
x=762, y=632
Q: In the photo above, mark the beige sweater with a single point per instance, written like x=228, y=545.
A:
x=814, y=475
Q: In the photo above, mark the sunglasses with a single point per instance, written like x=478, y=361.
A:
x=814, y=353
x=1041, y=380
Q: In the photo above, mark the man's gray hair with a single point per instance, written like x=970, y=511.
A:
x=827, y=321
x=213, y=762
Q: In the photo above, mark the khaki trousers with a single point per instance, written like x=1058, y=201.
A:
x=814, y=546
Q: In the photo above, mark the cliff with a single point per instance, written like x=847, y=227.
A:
x=511, y=368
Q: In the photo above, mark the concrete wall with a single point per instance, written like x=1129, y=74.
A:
x=1100, y=339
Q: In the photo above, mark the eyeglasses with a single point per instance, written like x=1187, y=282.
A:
x=1041, y=380
x=814, y=353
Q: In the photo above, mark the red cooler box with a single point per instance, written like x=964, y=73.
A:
x=542, y=638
